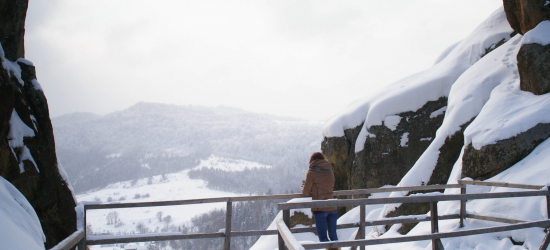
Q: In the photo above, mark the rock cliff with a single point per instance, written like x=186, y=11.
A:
x=461, y=131
x=27, y=150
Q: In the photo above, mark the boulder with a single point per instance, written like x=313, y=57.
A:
x=389, y=154
x=524, y=15
x=491, y=160
x=534, y=68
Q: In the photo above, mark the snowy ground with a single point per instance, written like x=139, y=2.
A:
x=175, y=186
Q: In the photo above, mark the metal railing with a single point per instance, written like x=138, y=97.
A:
x=286, y=237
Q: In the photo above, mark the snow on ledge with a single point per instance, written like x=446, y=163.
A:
x=540, y=34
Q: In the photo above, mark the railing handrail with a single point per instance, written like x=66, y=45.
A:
x=70, y=241
x=407, y=199
x=500, y=184
x=264, y=197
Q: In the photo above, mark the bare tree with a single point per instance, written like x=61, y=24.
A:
x=159, y=216
x=141, y=228
x=167, y=219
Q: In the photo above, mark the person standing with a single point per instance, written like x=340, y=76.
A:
x=319, y=184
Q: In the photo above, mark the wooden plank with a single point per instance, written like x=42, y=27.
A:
x=228, y=215
x=494, y=219
x=288, y=238
x=500, y=184
x=113, y=239
x=70, y=241
x=408, y=199
x=542, y=223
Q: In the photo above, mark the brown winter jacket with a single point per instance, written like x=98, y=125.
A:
x=319, y=183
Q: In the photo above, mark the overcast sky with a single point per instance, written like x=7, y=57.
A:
x=306, y=59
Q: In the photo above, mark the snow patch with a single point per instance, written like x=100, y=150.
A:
x=36, y=85
x=404, y=139
x=438, y=112
x=392, y=121
x=12, y=68
x=540, y=34
x=25, y=61
x=19, y=130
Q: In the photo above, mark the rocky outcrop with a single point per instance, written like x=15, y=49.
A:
x=27, y=150
x=388, y=153
x=534, y=68
x=492, y=159
x=533, y=62
x=12, y=27
x=524, y=15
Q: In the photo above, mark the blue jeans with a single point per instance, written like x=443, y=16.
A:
x=324, y=220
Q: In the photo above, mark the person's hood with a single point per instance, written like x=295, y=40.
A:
x=322, y=164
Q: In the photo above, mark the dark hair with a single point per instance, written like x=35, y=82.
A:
x=317, y=156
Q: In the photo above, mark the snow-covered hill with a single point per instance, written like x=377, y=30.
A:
x=152, y=139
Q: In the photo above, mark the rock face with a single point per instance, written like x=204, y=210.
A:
x=534, y=68
x=27, y=150
x=389, y=153
x=492, y=159
x=524, y=15
x=12, y=27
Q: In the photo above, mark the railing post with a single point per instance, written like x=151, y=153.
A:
x=436, y=243
x=228, y=212
x=82, y=243
x=286, y=219
x=546, y=240
x=362, y=214
x=462, y=207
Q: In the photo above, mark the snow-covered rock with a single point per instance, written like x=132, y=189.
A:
x=20, y=227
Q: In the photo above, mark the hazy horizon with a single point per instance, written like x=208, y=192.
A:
x=306, y=59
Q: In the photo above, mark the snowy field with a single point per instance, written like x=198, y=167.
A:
x=175, y=186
